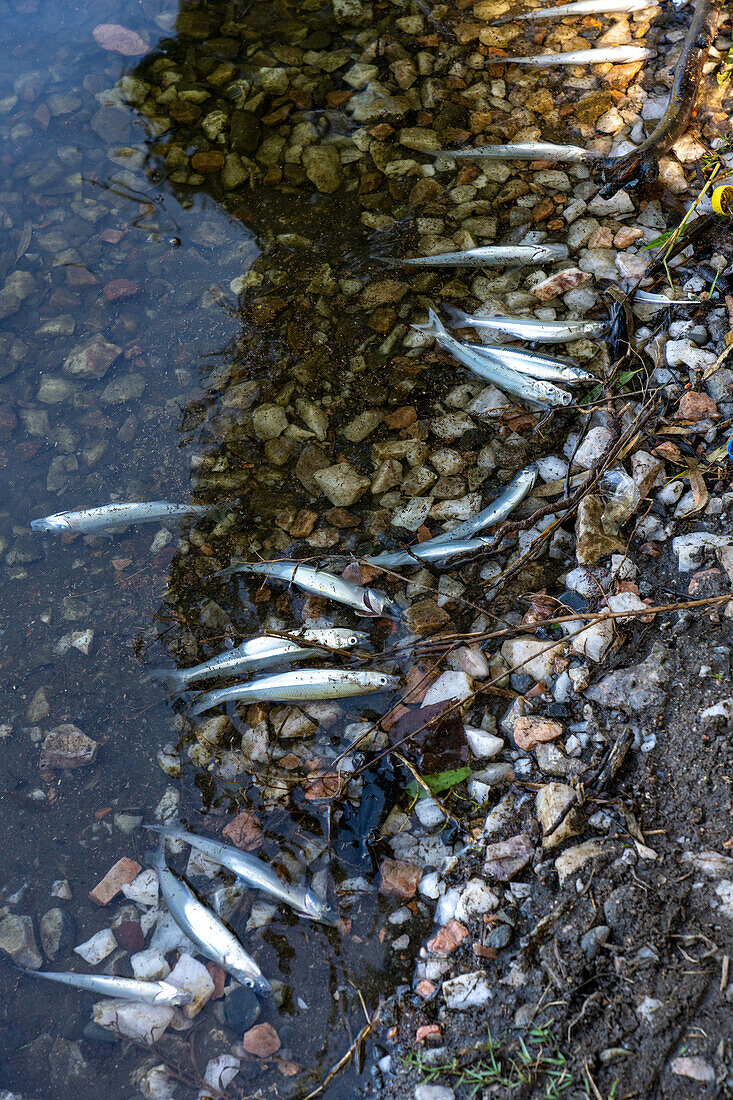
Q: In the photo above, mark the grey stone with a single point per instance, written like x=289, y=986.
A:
x=635, y=688
x=57, y=933
x=122, y=390
x=434, y=1092
x=341, y=483
x=18, y=939
x=322, y=165
x=92, y=359
x=620, y=905
x=593, y=940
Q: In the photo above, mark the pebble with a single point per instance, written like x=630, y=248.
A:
x=98, y=947
x=483, y=744
x=149, y=965
x=119, y=39
x=123, y=872
x=572, y=859
x=475, y=899
x=18, y=939
x=192, y=977
x=535, y=657
x=449, y=686
x=530, y=730
x=552, y=800
x=694, y=1068
x=506, y=858
x=67, y=747
x=448, y=938
x=261, y=1041
x=467, y=991
x=635, y=688
x=241, y=1008
x=434, y=1092
x=399, y=879
x=133, y=1019
x=56, y=931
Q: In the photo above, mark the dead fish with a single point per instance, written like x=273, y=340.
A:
x=127, y=989
x=527, y=150
x=616, y=55
x=261, y=652
x=529, y=328
x=646, y=298
x=203, y=927
x=107, y=517
x=299, y=686
x=534, y=364
x=498, y=510
x=587, y=7
x=532, y=390
x=493, y=255
x=255, y=872
x=366, y=601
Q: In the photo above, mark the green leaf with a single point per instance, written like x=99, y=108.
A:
x=626, y=376
x=439, y=782
x=658, y=241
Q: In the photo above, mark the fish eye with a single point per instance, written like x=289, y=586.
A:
x=249, y=982
x=353, y=640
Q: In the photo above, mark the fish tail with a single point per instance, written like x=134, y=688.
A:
x=458, y=316
x=173, y=678
x=433, y=326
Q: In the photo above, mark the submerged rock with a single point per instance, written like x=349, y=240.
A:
x=18, y=939
x=635, y=688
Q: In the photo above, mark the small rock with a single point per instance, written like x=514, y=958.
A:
x=425, y=617
x=467, y=991
x=620, y=203
x=506, y=858
x=635, y=688
x=399, y=879
x=552, y=800
x=476, y=899
x=342, y=484
x=591, y=542
x=192, y=977
x=449, y=686
x=123, y=871
x=559, y=283
x=447, y=939
x=269, y=421
x=261, y=1040
x=696, y=406
x=18, y=939
x=572, y=859
x=593, y=940
x=241, y=1008
x=483, y=744
x=67, y=747
x=322, y=165
x=56, y=930
x=143, y=889
x=91, y=360
x=434, y=1092
x=119, y=39
x=149, y=966
x=533, y=656
x=97, y=948
x=133, y=1020
x=530, y=730
x=697, y=1069
x=244, y=831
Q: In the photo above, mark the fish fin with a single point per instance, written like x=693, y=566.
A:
x=433, y=326
x=459, y=316
x=171, y=677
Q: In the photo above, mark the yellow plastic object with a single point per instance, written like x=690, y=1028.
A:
x=722, y=199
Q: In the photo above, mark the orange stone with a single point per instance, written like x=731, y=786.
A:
x=261, y=1040
x=428, y=1032
x=447, y=938
x=244, y=832
x=696, y=406
x=425, y=989
x=399, y=879
x=530, y=730
x=120, y=874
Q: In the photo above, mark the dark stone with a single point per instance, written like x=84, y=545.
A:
x=96, y=1034
x=499, y=937
x=245, y=132
x=57, y=932
x=241, y=1009
x=521, y=682
x=574, y=601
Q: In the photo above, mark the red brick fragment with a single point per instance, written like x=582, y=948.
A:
x=261, y=1040
x=399, y=879
x=447, y=938
x=120, y=874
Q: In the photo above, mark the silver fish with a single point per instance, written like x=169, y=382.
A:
x=529, y=328
x=646, y=298
x=493, y=255
x=531, y=390
x=292, y=687
x=587, y=7
x=255, y=873
x=261, y=652
x=617, y=55
x=436, y=551
x=109, y=516
x=367, y=601
x=203, y=927
x=534, y=364
x=515, y=492
x=527, y=150
x=127, y=989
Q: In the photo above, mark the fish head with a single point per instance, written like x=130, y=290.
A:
x=377, y=605
x=52, y=525
x=566, y=399
x=317, y=907
x=254, y=980
x=171, y=996
x=389, y=683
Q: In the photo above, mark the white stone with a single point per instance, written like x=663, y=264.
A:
x=133, y=1020
x=93, y=950
x=625, y=601
x=683, y=353
x=592, y=447
x=483, y=744
x=157, y=1084
x=689, y=548
x=552, y=467
x=476, y=898
x=428, y=812
x=431, y=886
x=632, y=265
x=489, y=403
x=467, y=990
x=445, y=910
x=620, y=203
x=149, y=966
x=412, y=515
x=168, y=936
x=586, y=581
x=572, y=859
x=220, y=1072
x=192, y=977
x=646, y=1009
x=448, y=686
x=434, y=1092
x=593, y=642
x=531, y=655
x=260, y=915
x=471, y=660
x=143, y=890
